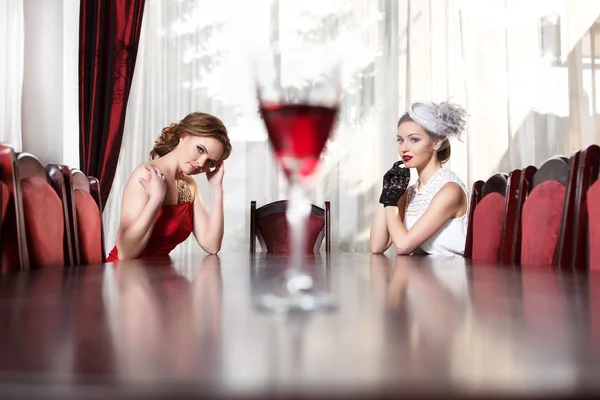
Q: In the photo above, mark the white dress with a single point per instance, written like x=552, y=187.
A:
x=450, y=239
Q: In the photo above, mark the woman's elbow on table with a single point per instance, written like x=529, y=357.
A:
x=403, y=249
x=377, y=249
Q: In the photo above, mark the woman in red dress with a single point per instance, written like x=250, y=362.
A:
x=162, y=204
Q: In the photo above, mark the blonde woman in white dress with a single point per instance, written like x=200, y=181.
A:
x=431, y=215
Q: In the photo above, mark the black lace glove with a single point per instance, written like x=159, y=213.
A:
x=395, y=182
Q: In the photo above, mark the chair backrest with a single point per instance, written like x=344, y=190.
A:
x=269, y=224
x=13, y=246
x=542, y=215
x=43, y=214
x=61, y=187
x=475, y=197
x=488, y=219
x=495, y=218
x=88, y=220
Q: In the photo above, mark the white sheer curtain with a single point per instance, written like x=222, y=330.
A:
x=495, y=57
x=11, y=71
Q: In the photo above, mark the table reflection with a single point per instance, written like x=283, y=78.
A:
x=269, y=279
x=422, y=314
x=165, y=325
x=427, y=325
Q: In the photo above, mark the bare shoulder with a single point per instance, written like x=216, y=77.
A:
x=141, y=171
x=134, y=189
x=451, y=191
x=451, y=198
x=134, y=197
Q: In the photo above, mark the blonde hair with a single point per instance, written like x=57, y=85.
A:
x=196, y=124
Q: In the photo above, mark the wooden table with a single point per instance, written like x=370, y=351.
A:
x=404, y=326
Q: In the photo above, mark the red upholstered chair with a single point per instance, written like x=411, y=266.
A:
x=494, y=217
x=13, y=244
x=57, y=176
x=43, y=212
x=88, y=220
x=268, y=223
x=542, y=215
x=488, y=219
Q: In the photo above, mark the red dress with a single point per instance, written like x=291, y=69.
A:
x=173, y=225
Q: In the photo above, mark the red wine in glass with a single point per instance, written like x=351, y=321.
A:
x=298, y=133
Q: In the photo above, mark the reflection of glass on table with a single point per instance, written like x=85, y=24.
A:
x=269, y=283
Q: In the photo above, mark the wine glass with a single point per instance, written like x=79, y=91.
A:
x=298, y=89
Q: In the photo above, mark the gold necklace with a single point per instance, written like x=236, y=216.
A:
x=184, y=193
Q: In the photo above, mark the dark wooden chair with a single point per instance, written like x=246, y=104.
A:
x=44, y=221
x=544, y=212
x=268, y=223
x=493, y=218
x=87, y=220
x=13, y=242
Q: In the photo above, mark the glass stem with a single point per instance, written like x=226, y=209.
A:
x=297, y=214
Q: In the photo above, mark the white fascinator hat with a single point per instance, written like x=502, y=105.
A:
x=445, y=120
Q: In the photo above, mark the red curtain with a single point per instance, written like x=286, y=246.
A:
x=109, y=34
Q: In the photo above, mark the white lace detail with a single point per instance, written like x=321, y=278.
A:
x=417, y=201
